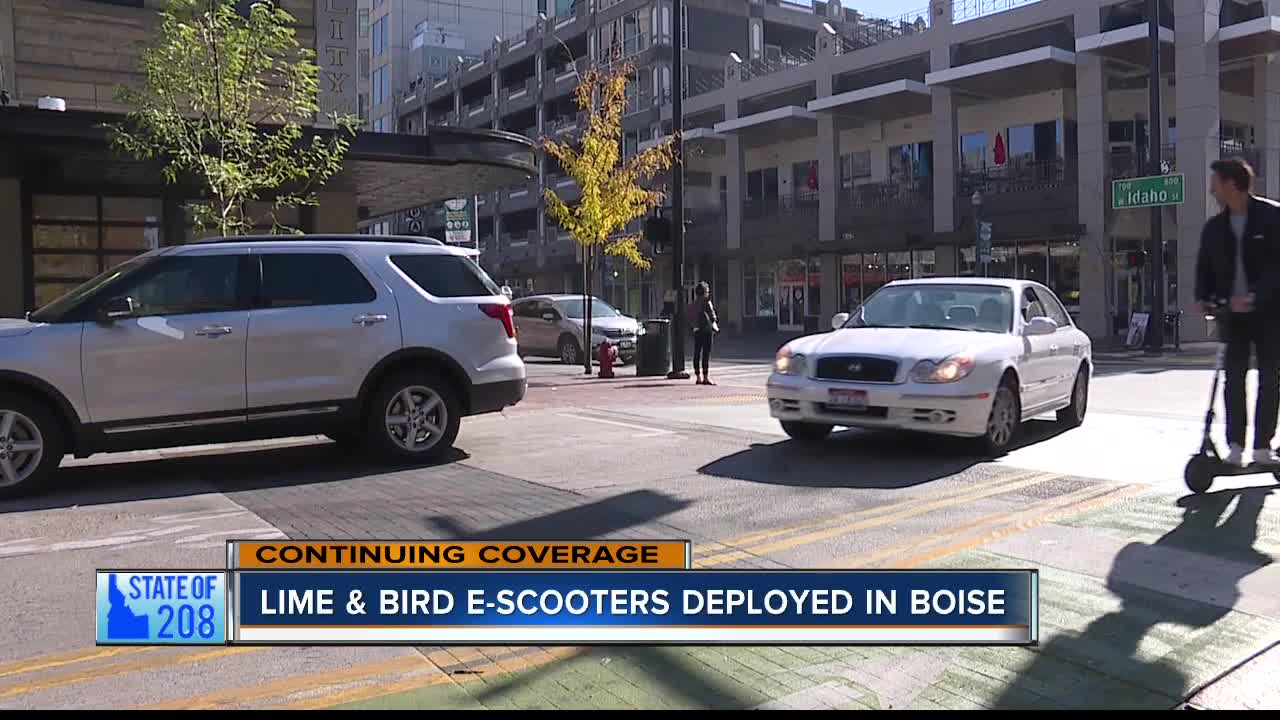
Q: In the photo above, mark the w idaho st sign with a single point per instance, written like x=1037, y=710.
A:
x=1146, y=192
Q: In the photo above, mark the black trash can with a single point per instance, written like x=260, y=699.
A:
x=653, y=349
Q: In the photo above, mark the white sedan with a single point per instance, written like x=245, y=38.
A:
x=970, y=357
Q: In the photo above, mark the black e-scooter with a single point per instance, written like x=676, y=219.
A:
x=1207, y=465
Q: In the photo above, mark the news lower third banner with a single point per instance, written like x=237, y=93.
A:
x=568, y=607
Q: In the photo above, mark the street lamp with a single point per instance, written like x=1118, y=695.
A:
x=677, y=191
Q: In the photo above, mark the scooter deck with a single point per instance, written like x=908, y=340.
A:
x=1220, y=468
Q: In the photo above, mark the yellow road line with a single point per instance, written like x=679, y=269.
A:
x=856, y=514
x=47, y=662
x=916, y=509
x=987, y=522
x=289, y=685
x=1017, y=527
x=350, y=695
x=121, y=668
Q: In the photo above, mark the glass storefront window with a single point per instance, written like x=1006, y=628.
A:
x=851, y=282
x=873, y=273
x=899, y=266
x=1033, y=258
x=76, y=237
x=924, y=264
x=1004, y=262
x=767, y=303
x=1064, y=273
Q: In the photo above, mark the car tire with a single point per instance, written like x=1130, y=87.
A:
x=806, y=432
x=1003, y=421
x=569, y=350
x=24, y=422
x=1072, y=415
x=432, y=422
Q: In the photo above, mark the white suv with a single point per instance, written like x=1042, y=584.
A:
x=371, y=340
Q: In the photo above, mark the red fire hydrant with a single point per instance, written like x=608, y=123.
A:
x=607, y=355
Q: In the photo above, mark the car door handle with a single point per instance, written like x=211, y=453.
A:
x=213, y=331
x=368, y=319
x=1053, y=349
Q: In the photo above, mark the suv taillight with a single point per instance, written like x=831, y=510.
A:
x=501, y=311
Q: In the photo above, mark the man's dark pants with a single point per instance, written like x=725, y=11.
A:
x=1246, y=334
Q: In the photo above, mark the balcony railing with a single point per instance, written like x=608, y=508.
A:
x=1122, y=165
x=869, y=31
x=787, y=59
x=1016, y=176
x=773, y=206
x=639, y=102
x=629, y=47
x=915, y=192
x=703, y=84
x=965, y=10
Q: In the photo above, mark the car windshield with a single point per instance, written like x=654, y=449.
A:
x=978, y=308
x=599, y=308
x=53, y=311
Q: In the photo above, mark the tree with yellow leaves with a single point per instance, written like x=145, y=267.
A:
x=613, y=190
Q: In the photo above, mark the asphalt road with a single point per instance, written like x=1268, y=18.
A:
x=1148, y=595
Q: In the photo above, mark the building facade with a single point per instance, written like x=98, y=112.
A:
x=71, y=207
x=407, y=45
x=829, y=152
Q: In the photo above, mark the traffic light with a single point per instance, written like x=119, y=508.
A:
x=1137, y=259
x=657, y=232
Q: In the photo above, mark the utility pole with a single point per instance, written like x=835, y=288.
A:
x=677, y=191
x=1155, y=127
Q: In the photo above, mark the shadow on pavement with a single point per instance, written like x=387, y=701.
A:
x=590, y=520
x=862, y=459
x=1110, y=644
x=231, y=470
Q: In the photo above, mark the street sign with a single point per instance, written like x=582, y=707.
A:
x=1145, y=192
x=984, y=243
x=457, y=221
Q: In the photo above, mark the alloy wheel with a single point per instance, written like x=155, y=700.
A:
x=1002, y=423
x=21, y=447
x=416, y=418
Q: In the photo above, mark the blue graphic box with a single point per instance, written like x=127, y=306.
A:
x=161, y=607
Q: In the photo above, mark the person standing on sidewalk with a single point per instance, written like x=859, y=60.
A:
x=1239, y=263
x=705, y=326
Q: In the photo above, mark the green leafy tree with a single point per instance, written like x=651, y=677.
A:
x=226, y=102
x=614, y=191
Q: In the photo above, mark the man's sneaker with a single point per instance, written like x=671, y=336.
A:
x=1235, y=456
x=1265, y=456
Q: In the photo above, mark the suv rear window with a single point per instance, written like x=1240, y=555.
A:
x=446, y=275
x=305, y=279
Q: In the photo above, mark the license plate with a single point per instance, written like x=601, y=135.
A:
x=625, y=344
x=851, y=399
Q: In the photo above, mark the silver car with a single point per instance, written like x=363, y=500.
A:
x=551, y=326
x=375, y=341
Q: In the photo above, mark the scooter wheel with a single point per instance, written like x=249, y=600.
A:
x=1199, y=474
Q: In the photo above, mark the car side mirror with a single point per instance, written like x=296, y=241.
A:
x=549, y=316
x=838, y=320
x=506, y=290
x=114, y=309
x=1040, y=326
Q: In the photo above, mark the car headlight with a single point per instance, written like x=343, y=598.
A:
x=956, y=367
x=789, y=363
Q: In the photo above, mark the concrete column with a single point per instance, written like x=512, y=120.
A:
x=945, y=151
x=735, y=166
x=828, y=148
x=1266, y=124
x=8, y=73
x=945, y=261
x=1092, y=188
x=1198, y=113
x=733, y=304
x=13, y=291
x=832, y=289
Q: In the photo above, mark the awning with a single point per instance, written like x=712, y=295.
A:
x=1250, y=38
x=1127, y=45
x=783, y=123
x=702, y=139
x=899, y=98
x=387, y=172
x=1022, y=73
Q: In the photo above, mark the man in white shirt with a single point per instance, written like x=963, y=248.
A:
x=1239, y=263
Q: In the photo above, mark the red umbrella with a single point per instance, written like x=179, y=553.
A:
x=813, y=176
x=999, y=151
